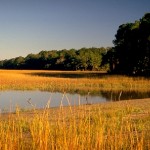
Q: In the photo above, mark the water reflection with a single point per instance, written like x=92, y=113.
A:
x=28, y=99
x=124, y=95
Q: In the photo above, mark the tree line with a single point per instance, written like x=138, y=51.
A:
x=82, y=59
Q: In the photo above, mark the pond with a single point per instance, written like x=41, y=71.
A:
x=26, y=100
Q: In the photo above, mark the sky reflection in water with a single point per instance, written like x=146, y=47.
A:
x=25, y=99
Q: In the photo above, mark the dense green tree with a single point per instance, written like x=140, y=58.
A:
x=131, y=52
x=9, y=64
x=90, y=59
x=71, y=60
x=19, y=62
x=32, y=61
x=53, y=56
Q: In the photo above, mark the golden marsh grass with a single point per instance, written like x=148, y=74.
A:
x=50, y=80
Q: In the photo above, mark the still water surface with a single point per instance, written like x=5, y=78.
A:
x=39, y=99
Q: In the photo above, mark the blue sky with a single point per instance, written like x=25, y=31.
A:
x=29, y=26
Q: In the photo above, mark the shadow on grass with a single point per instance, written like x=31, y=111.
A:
x=81, y=74
x=70, y=74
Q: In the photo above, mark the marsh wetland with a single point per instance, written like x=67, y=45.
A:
x=73, y=110
x=83, y=87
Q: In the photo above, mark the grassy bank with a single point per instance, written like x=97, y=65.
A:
x=114, y=125
x=69, y=81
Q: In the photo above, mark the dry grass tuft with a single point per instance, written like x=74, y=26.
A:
x=116, y=125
